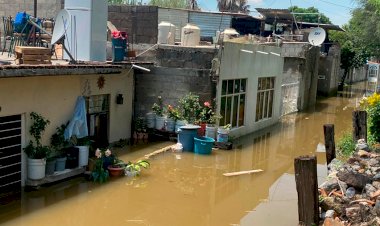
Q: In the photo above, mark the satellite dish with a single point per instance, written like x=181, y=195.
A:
x=62, y=22
x=317, y=36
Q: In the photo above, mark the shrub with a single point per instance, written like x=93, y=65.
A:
x=345, y=145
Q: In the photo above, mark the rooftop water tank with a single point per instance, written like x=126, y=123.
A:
x=229, y=33
x=166, y=33
x=190, y=35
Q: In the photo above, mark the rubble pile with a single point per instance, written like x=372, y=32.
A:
x=351, y=193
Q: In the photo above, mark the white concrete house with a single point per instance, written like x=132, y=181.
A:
x=249, y=87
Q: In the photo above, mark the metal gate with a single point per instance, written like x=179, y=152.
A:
x=10, y=154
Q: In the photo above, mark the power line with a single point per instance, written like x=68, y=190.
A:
x=336, y=4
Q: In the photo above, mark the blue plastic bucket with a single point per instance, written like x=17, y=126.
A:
x=186, y=136
x=203, y=145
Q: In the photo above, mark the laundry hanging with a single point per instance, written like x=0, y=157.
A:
x=78, y=123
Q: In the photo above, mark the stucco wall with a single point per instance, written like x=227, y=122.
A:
x=171, y=84
x=237, y=64
x=54, y=97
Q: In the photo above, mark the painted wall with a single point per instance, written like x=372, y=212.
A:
x=54, y=97
x=236, y=64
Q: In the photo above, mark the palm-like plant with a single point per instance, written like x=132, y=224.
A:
x=233, y=6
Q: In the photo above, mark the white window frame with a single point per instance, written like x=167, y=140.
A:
x=265, y=111
x=234, y=106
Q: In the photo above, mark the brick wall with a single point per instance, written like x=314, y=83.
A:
x=140, y=22
x=171, y=84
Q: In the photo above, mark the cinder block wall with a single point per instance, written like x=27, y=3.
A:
x=45, y=8
x=140, y=22
x=171, y=84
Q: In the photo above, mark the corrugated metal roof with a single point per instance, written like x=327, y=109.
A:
x=210, y=23
x=278, y=15
x=324, y=26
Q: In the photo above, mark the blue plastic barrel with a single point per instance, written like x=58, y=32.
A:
x=203, y=145
x=119, y=46
x=186, y=136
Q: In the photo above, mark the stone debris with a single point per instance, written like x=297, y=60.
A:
x=351, y=193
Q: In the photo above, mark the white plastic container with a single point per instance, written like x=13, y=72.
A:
x=36, y=168
x=210, y=132
x=166, y=33
x=190, y=35
x=150, y=120
x=83, y=155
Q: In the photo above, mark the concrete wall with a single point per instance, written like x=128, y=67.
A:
x=300, y=76
x=171, y=84
x=140, y=22
x=329, y=72
x=185, y=57
x=45, y=8
x=54, y=97
x=237, y=64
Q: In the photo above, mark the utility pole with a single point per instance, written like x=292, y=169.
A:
x=35, y=8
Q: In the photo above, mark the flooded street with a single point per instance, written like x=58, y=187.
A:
x=184, y=189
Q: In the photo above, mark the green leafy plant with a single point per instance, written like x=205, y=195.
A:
x=208, y=114
x=57, y=140
x=345, y=145
x=140, y=125
x=190, y=107
x=135, y=168
x=174, y=112
x=37, y=150
x=158, y=108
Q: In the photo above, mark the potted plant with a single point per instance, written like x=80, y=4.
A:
x=158, y=109
x=58, y=145
x=117, y=166
x=134, y=169
x=223, y=133
x=140, y=132
x=208, y=119
x=190, y=107
x=173, y=115
x=83, y=144
x=36, y=152
x=99, y=173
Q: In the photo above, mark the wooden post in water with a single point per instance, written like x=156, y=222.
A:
x=328, y=131
x=359, y=124
x=305, y=168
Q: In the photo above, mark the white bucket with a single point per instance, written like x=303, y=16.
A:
x=178, y=124
x=170, y=125
x=150, y=120
x=211, y=132
x=223, y=135
x=83, y=155
x=36, y=168
x=160, y=122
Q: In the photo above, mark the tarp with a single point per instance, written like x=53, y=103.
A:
x=78, y=123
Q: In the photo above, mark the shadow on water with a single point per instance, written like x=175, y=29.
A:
x=187, y=189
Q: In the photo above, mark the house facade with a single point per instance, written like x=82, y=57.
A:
x=52, y=91
x=249, y=87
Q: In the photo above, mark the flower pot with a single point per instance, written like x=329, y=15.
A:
x=132, y=173
x=210, y=131
x=170, y=125
x=83, y=155
x=60, y=164
x=50, y=166
x=223, y=135
x=115, y=171
x=160, y=122
x=36, y=168
x=150, y=120
x=202, y=130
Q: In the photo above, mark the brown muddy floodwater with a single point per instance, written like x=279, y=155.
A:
x=184, y=189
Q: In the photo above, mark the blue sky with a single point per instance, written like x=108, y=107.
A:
x=337, y=10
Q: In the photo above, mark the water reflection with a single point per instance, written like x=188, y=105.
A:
x=186, y=189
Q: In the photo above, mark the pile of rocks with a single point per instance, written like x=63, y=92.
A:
x=351, y=193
